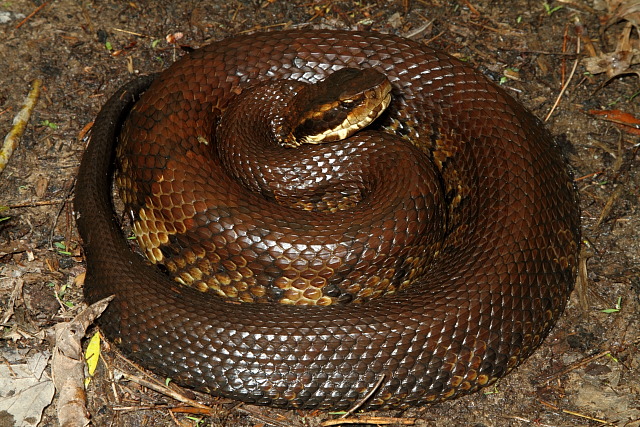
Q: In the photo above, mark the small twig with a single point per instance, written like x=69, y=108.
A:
x=265, y=27
x=608, y=206
x=582, y=281
x=19, y=124
x=575, y=414
x=173, y=417
x=538, y=52
x=366, y=397
x=166, y=391
x=36, y=10
x=565, y=42
x=83, y=132
x=109, y=371
x=566, y=85
x=371, y=420
x=472, y=9
x=254, y=413
x=588, y=417
x=61, y=207
x=131, y=32
x=418, y=31
x=432, y=39
x=573, y=366
x=143, y=407
x=589, y=175
x=40, y=203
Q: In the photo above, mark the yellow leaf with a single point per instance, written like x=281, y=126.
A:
x=92, y=355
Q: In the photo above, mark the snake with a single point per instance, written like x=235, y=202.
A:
x=226, y=295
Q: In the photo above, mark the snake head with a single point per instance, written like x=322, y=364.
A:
x=335, y=108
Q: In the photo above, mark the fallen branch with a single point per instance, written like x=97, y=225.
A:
x=19, y=124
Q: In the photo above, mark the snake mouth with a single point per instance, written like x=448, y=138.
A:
x=339, y=106
x=359, y=119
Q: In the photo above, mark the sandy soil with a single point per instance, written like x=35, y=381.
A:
x=530, y=47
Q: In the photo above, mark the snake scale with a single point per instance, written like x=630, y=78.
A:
x=497, y=279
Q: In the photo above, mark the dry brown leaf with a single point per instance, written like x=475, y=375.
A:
x=67, y=366
x=623, y=10
x=627, y=51
x=618, y=62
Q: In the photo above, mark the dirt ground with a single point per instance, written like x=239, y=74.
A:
x=587, y=373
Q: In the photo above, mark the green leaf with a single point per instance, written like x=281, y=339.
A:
x=49, y=124
x=62, y=248
x=551, y=10
x=616, y=309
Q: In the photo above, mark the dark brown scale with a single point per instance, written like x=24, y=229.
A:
x=504, y=269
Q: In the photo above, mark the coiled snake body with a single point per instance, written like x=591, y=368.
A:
x=492, y=285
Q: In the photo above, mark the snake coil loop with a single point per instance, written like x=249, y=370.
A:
x=444, y=319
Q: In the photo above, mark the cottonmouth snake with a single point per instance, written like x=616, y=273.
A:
x=497, y=283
